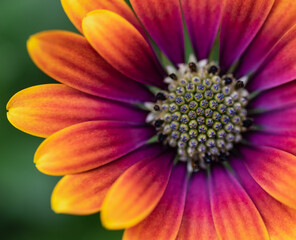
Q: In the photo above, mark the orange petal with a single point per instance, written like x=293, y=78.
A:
x=235, y=215
x=78, y=9
x=107, y=32
x=279, y=66
x=280, y=220
x=68, y=58
x=137, y=192
x=45, y=109
x=164, y=222
x=88, y=145
x=274, y=170
x=197, y=222
x=241, y=21
x=84, y=193
x=269, y=34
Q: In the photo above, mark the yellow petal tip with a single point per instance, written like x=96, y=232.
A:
x=45, y=167
x=32, y=42
x=58, y=205
x=110, y=223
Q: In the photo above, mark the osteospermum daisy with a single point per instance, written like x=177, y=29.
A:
x=202, y=149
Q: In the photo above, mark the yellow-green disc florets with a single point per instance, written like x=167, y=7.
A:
x=202, y=114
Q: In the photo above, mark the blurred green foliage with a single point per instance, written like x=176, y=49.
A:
x=25, y=212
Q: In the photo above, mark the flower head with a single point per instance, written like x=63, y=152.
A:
x=204, y=149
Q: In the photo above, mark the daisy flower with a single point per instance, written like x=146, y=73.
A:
x=198, y=149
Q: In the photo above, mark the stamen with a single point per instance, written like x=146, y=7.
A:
x=213, y=69
x=161, y=137
x=239, y=84
x=156, y=108
x=193, y=67
x=158, y=123
x=160, y=96
x=173, y=76
x=248, y=123
x=227, y=80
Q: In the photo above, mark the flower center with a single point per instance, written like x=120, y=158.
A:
x=201, y=114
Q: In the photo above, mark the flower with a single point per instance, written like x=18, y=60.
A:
x=223, y=166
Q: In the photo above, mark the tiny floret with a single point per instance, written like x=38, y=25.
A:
x=201, y=114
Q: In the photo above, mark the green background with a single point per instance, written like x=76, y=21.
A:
x=25, y=211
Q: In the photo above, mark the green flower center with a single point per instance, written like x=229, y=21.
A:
x=201, y=114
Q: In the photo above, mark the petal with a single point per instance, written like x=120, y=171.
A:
x=89, y=145
x=279, y=219
x=280, y=132
x=83, y=193
x=279, y=66
x=197, y=222
x=234, y=213
x=45, y=109
x=274, y=170
x=270, y=33
x=163, y=21
x=78, y=9
x=275, y=98
x=132, y=55
x=202, y=20
x=137, y=192
x=68, y=58
x=279, y=141
x=241, y=21
x=164, y=221
x=276, y=120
